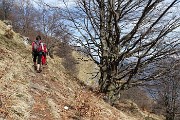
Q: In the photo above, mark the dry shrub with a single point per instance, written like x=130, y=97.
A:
x=8, y=32
x=138, y=96
x=84, y=106
x=127, y=106
x=7, y=22
x=69, y=62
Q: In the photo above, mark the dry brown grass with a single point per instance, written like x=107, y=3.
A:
x=27, y=95
x=9, y=32
x=87, y=70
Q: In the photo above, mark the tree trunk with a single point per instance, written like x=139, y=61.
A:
x=170, y=115
x=103, y=62
x=108, y=82
x=110, y=50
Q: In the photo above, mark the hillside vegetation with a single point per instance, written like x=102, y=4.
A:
x=53, y=94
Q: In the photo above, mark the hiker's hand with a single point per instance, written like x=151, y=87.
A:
x=32, y=54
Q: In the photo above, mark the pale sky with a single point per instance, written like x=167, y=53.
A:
x=59, y=3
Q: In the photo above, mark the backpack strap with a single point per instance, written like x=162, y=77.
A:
x=33, y=45
x=42, y=46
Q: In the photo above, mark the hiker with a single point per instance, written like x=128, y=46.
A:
x=37, y=53
x=44, y=53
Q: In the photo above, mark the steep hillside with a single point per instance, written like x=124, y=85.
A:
x=51, y=95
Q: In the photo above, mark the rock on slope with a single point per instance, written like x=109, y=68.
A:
x=27, y=95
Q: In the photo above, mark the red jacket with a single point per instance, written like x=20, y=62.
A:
x=45, y=48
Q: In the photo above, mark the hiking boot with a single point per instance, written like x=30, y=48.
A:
x=38, y=71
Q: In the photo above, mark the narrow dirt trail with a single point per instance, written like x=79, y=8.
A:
x=40, y=110
x=48, y=98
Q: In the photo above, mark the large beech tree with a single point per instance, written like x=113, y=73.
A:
x=123, y=37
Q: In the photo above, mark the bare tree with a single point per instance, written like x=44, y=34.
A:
x=139, y=96
x=126, y=36
x=24, y=17
x=51, y=26
x=6, y=7
x=166, y=89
